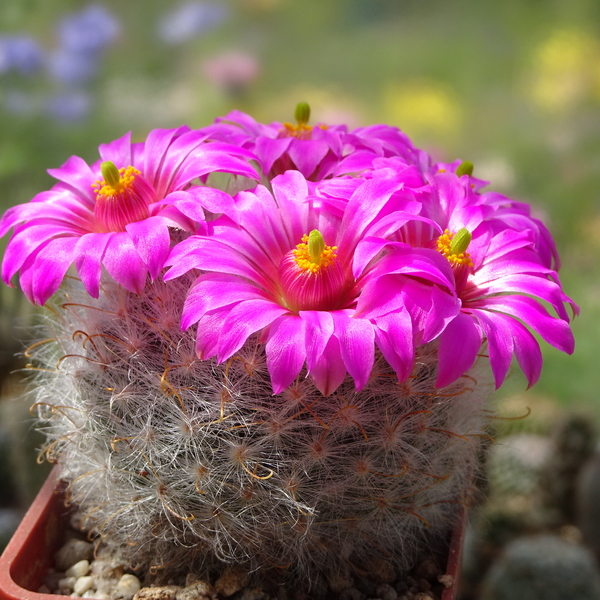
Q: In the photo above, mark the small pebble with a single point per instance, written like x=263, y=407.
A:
x=72, y=552
x=446, y=580
x=199, y=590
x=79, y=569
x=44, y=589
x=232, y=580
x=129, y=585
x=386, y=592
x=165, y=592
x=67, y=583
x=83, y=584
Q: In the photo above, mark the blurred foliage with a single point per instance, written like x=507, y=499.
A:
x=512, y=86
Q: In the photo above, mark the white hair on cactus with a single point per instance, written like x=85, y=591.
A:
x=189, y=461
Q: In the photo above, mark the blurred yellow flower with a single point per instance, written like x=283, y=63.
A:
x=566, y=70
x=422, y=108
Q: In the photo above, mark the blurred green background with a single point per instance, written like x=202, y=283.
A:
x=512, y=86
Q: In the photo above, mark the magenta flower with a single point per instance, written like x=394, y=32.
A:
x=300, y=269
x=502, y=281
x=117, y=213
x=504, y=265
x=317, y=151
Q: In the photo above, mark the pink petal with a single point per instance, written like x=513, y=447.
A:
x=458, y=348
x=527, y=351
x=319, y=328
x=207, y=335
x=394, y=337
x=381, y=296
x=269, y=150
x=416, y=262
x=27, y=240
x=286, y=350
x=89, y=253
x=356, y=339
x=50, y=266
x=210, y=254
x=152, y=242
x=307, y=154
x=329, y=371
x=533, y=285
x=355, y=162
x=500, y=343
x=553, y=330
x=208, y=158
x=213, y=200
x=444, y=308
x=78, y=175
x=124, y=263
x=364, y=205
x=155, y=148
x=213, y=291
x=245, y=319
x=117, y=151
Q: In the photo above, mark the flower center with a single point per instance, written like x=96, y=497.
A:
x=454, y=245
x=122, y=197
x=311, y=277
x=312, y=254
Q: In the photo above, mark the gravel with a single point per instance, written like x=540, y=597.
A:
x=81, y=572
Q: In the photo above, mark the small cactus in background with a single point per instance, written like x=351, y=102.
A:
x=587, y=502
x=543, y=567
x=288, y=375
x=574, y=442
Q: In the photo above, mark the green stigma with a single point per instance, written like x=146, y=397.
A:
x=465, y=168
x=316, y=246
x=302, y=114
x=111, y=175
x=460, y=241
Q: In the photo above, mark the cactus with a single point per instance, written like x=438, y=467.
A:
x=543, y=567
x=183, y=457
x=574, y=442
x=288, y=375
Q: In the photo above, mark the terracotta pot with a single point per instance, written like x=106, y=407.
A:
x=30, y=552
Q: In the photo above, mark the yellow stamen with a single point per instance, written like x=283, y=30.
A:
x=115, y=180
x=312, y=254
x=300, y=131
x=454, y=245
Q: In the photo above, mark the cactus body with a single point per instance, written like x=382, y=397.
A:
x=184, y=461
x=543, y=567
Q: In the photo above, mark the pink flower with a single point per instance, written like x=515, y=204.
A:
x=318, y=151
x=116, y=213
x=232, y=71
x=504, y=267
x=504, y=270
x=298, y=267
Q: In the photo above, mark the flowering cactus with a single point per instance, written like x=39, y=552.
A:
x=288, y=371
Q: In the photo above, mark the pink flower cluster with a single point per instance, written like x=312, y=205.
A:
x=352, y=241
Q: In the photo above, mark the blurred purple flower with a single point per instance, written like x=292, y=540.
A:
x=72, y=68
x=20, y=53
x=88, y=31
x=191, y=20
x=69, y=107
